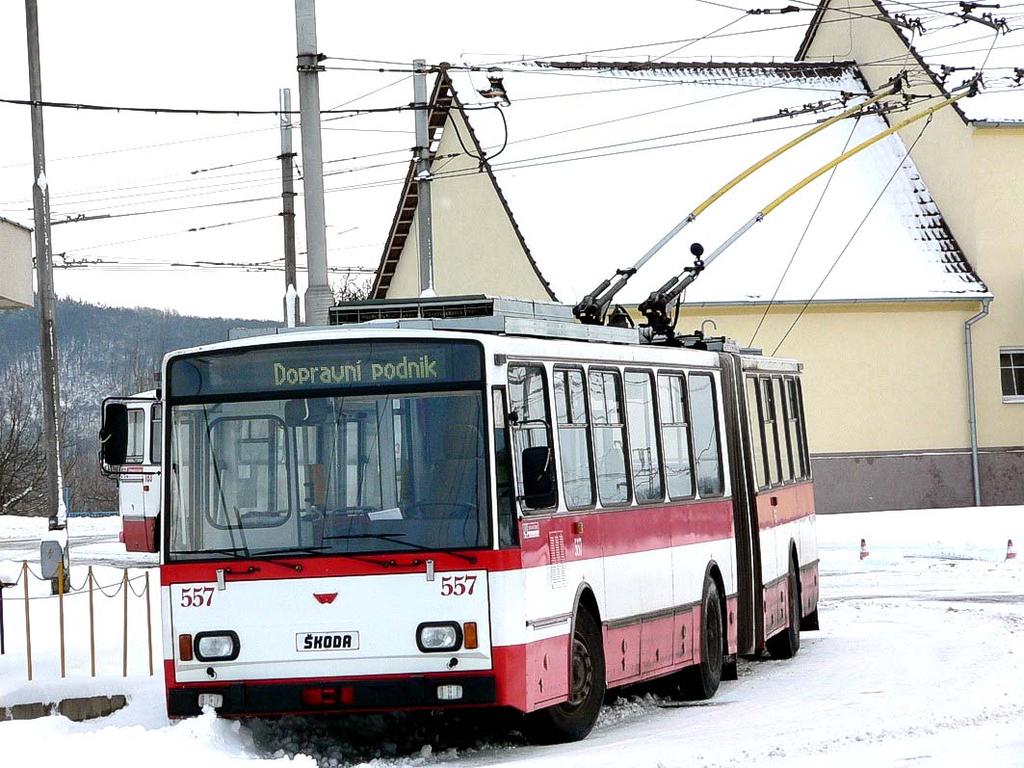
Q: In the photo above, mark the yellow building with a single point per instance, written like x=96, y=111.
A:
x=583, y=165
x=15, y=265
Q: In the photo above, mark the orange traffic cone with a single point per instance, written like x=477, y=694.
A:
x=1011, y=553
x=863, y=549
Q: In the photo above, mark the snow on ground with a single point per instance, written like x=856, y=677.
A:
x=19, y=527
x=920, y=658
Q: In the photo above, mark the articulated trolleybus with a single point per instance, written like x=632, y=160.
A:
x=138, y=470
x=480, y=504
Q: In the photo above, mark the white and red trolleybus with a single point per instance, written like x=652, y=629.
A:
x=138, y=471
x=509, y=510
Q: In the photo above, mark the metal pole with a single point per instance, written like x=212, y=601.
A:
x=424, y=225
x=319, y=298
x=287, y=157
x=44, y=277
x=972, y=412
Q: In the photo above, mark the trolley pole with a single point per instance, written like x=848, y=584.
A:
x=287, y=157
x=424, y=225
x=44, y=275
x=319, y=297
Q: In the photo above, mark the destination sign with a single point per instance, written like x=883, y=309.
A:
x=332, y=365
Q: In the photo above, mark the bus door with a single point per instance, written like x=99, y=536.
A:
x=750, y=619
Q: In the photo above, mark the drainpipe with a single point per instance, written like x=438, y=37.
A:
x=971, y=409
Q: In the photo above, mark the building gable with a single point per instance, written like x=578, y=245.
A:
x=472, y=222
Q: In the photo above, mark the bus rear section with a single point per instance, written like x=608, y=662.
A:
x=137, y=471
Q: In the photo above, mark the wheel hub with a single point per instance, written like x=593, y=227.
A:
x=582, y=673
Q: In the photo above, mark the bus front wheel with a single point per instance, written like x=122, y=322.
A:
x=572, y=720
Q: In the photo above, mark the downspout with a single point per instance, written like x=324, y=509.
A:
x=971, y=409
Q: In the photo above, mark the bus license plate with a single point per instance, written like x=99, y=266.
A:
x=327, y=641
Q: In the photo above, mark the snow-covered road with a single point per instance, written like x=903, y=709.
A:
x=920, y=659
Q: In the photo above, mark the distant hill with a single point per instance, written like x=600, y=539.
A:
x=103, y=352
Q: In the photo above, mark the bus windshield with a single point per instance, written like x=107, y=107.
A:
x=329, y=472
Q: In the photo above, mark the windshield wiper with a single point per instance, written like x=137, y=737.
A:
x=395, y=539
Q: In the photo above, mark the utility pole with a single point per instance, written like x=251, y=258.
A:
x=424, y=228
x=319, y=297
x=287, y=157
x=44, y=274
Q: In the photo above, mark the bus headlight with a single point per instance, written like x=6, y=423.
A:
x=438, y=636
x=216, y=646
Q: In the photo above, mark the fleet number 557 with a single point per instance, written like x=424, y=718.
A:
x=456, y=586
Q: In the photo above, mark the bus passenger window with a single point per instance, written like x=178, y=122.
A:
x=609, y=437
x=531, y=425
x=675, y=436
x=705, y=434
x=785, y=446
x=756, y=432
x=156, y=435
x=136, y=436
x=645, y=459
x=771, y=432
x=507, y=528
x=573, y=439
x=798, y=435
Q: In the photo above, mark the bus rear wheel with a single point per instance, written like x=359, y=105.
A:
x=572, y=720
x=786, y=644
x=701, y=682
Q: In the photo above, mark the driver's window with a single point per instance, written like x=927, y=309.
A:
x=530, y=420
x=249, y=472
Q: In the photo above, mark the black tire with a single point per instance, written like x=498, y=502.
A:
x=786, y=644
x=575, y=718
x=701, y=681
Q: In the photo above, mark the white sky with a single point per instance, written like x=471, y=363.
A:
x=232, y=53
x=237, y=54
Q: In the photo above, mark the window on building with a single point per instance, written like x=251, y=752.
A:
x=529, y=412
x=1011, y=370
x=609, y=437
x=644, y=456
x=704, y=413
x=574, y=438
x=675, y=435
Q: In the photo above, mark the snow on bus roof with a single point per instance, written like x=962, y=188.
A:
x=602, y=159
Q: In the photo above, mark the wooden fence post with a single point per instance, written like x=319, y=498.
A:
x=28, y=625
x=124, y=656
x=149, y=625
x=92, y=626
x=60, y=604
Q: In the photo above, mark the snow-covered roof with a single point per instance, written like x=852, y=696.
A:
x=601, y=160
x=952, y=50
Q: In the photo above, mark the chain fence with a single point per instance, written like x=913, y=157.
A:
x=64, y=589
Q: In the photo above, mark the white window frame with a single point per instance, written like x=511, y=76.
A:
x=1009, y=351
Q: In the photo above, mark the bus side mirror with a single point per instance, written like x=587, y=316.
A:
x=114, y=434
x=538, y=468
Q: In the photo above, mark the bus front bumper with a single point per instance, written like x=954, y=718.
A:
x=259, y=698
